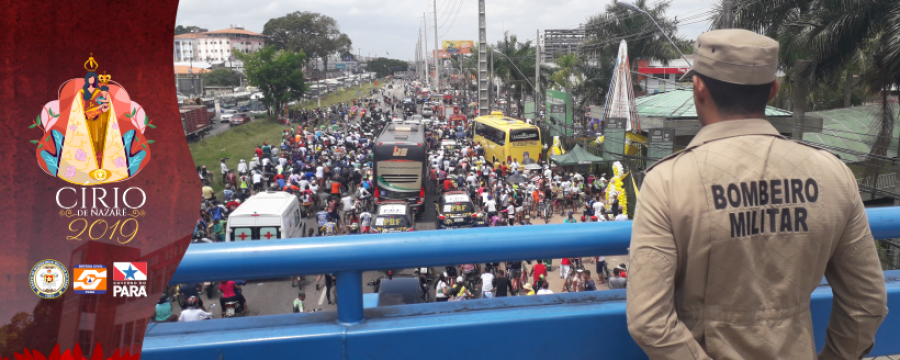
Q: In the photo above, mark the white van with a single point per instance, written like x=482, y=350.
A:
x=265, y=216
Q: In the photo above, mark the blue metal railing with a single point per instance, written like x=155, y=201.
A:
x=349, y=256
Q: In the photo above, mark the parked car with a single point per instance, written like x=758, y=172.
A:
x=426, y=112
x=226, y=115
x=239, y=118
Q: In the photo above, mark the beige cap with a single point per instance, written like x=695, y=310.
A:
x=736, y=56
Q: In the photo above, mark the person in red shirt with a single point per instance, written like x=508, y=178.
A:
x=228, y=294
x=538, y=271
x=503, y=169
x=564, y=268
x=448, y=185
x=259, y=152
x=336, y=189
x=232, y=205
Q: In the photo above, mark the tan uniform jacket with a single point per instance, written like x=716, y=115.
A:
x=731, y=237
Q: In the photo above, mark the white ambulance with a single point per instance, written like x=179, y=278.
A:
x=265, y=216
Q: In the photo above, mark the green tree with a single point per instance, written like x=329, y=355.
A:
x=384, y=66
x=605, y=31
x=317, y=35
x=840, y=38
x=222, y=77
x=516, y=55
x=188, y=29
x=277, y=73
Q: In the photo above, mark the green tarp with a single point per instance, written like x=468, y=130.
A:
x=577, y=156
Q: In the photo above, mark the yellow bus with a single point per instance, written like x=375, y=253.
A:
x=505, y=139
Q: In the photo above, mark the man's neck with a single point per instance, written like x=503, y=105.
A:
x=718, y=117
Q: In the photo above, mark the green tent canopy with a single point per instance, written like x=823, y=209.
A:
x=577, y=156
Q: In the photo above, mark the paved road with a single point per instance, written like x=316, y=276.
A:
x=275, y=296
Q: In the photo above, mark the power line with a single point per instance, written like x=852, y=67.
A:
x=458, y=8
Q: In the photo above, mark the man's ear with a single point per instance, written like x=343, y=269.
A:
x=775, y=86
x=701, y=93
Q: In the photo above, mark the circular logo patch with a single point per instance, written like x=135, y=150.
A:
x=49, y=279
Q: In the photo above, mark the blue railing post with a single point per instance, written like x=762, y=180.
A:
x=349, y=297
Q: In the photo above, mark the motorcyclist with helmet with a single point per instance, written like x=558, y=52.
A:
x=193, y=312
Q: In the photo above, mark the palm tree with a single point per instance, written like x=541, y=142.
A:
x=838, y=36
x=604, y=31
x=567, y=76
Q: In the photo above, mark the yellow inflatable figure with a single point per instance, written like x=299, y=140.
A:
x=616, y=189
x=557, y=147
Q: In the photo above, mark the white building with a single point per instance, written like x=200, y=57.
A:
x=216, y=47
x=658, y=78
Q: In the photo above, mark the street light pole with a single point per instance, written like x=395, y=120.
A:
x=632, y=7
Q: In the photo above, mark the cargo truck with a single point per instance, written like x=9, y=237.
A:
x=195, y=120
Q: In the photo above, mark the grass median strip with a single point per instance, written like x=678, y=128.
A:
x=240, y=141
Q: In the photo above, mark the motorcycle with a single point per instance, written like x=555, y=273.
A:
x=233, y=308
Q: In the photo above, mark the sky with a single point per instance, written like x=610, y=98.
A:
x=390, y=28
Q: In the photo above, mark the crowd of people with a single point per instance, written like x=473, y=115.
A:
x=325, y=159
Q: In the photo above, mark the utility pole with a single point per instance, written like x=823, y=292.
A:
x=727, y=19
x=425, y=36
x=359, y=73
x=537, y=73
x=418, y=48
x=437, y=68
x=484, y=91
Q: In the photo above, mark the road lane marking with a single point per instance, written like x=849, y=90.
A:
x=322, y=297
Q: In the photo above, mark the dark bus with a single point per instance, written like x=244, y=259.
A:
x=399, y=160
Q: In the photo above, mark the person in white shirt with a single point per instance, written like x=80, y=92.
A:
x=442, y=290
x=545, y=289
x=365, y=219
x=547, y=172
x=566, y=186
x=362, y=193
x=487, y=285
x=598, y=207
x=320, y=172
x=511, y=211
x=491, y=205
x=472, y=180
x=265, y=161
x=224, y=170
x=193, y=311
x=621, y=217
x=257, y=180
x=242, y=167
x=254, y=163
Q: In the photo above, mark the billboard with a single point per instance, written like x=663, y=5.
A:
x=443, y=54
x=456, y=47
x=559, y=106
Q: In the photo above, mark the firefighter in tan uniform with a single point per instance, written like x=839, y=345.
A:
x=733, y=234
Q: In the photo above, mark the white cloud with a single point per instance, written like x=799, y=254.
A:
x=379, y=26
